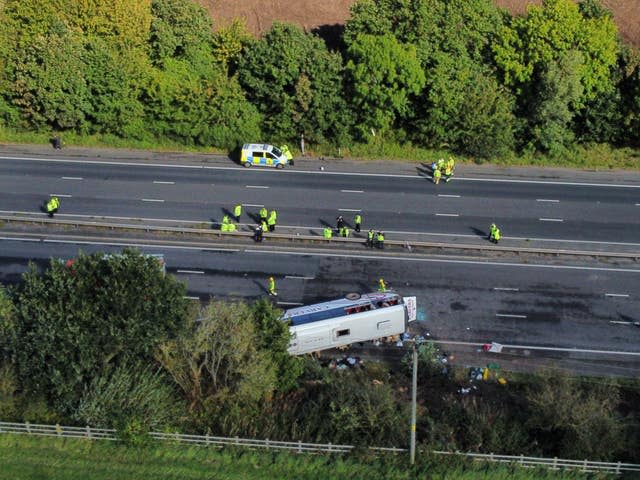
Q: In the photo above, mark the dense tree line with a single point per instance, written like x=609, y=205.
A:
x=456, y=74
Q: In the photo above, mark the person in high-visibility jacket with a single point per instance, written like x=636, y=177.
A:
x=344, y=231
x=327, y=233
x=380, y=240
x=52, y=206
x=382, y=287
x=224, y=226
x=286, y=152
x=264, y=226
x=436, y=175
x=370, y=236
x=237, y=211
x=271, y=221
x=272, y=287
x=263, y=214
x=357, y=221
x=448, y=173
x=496, y=235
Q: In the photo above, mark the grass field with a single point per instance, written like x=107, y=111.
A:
x=23, y=457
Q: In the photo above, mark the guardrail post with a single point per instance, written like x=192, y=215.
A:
x=266, y=443
x=58, y=429
x=299, y=446
x=618, y=468
x=206, y=439
x=237, y=440
x=584, y=465
x=329, y=447
x=522, y=459
x=555, y=463
x=28, y=426
x=88, y=431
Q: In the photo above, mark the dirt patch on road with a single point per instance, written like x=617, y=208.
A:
x=331, y=14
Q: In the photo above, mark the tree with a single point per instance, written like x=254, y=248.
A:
x=229, y=42
x=296, y=85
x=548, y=32
x=559, y=92
x=465, y=107
x=382, y=75
x=220, y=367
x=74, y=320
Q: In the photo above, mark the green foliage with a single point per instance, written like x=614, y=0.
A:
x=296, y=85
x=72, y=322
x=383, y=74
x=181, y=29
x=575, y=419
x=559, y=92
x=229, y=42
x=273, y=336
x=531, y=43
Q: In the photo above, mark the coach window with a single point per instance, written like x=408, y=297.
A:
x=343, y=333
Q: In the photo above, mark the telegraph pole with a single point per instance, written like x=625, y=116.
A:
x=414, y=388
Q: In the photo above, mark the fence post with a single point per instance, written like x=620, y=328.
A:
x=266, y=442
x=207, y=441
x=88, y=431
x=555, y=463
x=522, y=459
x=491, y=457
x=329, y=447
x=58, y=429
x=26, y=424
x=584, y=465
x=300, y=447
x=618, y=468
x=237, y=440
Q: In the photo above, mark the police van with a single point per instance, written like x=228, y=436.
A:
x=264, y=155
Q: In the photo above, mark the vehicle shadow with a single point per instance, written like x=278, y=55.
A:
x=479, y=232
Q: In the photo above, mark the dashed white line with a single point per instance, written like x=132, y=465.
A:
x=551, y=220
x=298, y=277
x=72, y=178
x=447, y=215
x=352, y=191
x=621, y=295
x=252, y=205
x=547, y=200
x=158, y=182
x=448, y=196
x=550, y=349
x=620, y=322
x=506, y=289
x=510, y=315
x=290, y=303
x=349, y=210
x=63, y=195
x=191, y=298
x=152, y=200
x=198, y=272
x=256, y=186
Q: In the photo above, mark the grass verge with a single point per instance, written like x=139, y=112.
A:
x=61, y=459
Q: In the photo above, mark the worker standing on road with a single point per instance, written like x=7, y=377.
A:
x=224, y=226
x=357, y=221
x=380, y=240
x=257, y=234
x=237, y=211
x=370, y=235
x=263, y=214
x=344, y=231
x=448, y=172
x=496, y=235
x=436, y=175
x=272, y=287
x=382, y=287
x=52, y=206
x=327, y=233
x=271, y=221
x=264, y=226
x=339, y=222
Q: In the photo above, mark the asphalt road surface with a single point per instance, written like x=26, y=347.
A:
x=407, y=204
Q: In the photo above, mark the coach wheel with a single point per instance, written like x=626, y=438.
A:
x=352, y=296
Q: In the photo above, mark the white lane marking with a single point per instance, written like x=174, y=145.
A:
x=191, y=298
x=510, y=315
x=551, y=220
x=198, y=272
x=256, y=186
x=637, y=204
x=551, y=349
x=128, y=244
x=448, y=196
x=76, y=215
x=151, y=200
x=506, y=289
x=349, y=210
x=252, y=205
x=447, y=215
x=63, y=195
x=290, y=303
x=546, y=200
x=21, y=239
x=352, y=191
x=158, y=182
x=621, y=295
x=620, y=322
x=438, y=260
x=72, y=178
x=308, y=172
x=298, y=277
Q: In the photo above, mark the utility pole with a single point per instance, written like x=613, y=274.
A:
x=414, y=388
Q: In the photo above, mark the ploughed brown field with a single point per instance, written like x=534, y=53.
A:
x=325, y=14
